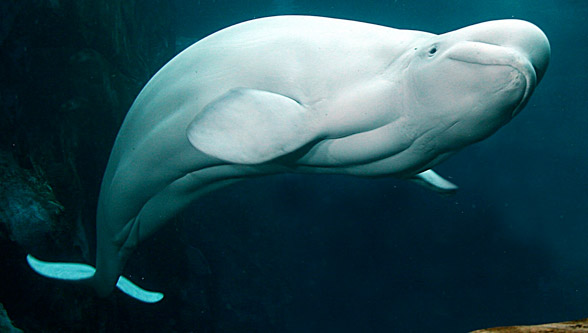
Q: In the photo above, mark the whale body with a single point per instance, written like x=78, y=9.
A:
x=302, y=94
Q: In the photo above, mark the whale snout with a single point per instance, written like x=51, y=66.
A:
x=521, y=36
x=517, y=44
x=530, y=41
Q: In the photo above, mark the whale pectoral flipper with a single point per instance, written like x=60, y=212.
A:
x=250, y=126
x=433, y=181
x=77, y=272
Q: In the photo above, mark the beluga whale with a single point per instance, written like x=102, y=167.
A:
x=301, y=94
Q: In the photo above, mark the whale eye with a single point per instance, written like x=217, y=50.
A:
x=433, y=50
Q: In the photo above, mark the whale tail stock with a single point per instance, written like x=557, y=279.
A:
x=86, y=273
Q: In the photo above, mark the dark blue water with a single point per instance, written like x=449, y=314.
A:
x=296, y=253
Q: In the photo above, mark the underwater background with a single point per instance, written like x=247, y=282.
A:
x=289, y=253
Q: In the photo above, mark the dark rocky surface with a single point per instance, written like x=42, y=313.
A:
x=567, y=326
x=69, y=72
x=6, y=325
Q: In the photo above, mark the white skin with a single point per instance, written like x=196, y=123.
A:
x=309, y=95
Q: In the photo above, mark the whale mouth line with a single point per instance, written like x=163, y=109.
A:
x=523, y=66
x=530, y=76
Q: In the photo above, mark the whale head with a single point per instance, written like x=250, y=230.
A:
x=476, y=79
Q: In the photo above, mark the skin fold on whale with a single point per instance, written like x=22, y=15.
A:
x=302, y=94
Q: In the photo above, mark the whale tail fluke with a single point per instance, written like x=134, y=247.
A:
x=79, y=272
x=126, y=286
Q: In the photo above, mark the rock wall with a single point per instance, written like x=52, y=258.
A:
x=69, y=71
x=5, y=322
